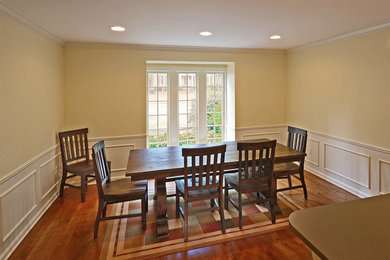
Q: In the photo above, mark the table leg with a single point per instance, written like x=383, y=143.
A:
x=161, y=208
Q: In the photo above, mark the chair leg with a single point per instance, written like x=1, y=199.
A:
x=64, y=175
x=82, y=189
x=272, y=203
x=143, y=209
x=98, y=218
x=226, y=200
x=212, y=203
x=104, y=210
x=240, y=210
x=303, y=184
x=146, y=200
x=221, y=213
x=186, y=221
x=289, y=181
x=177, y=204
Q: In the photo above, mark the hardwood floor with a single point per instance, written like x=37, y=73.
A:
x=66, y=230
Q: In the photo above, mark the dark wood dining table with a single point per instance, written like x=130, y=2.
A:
x=161, y=163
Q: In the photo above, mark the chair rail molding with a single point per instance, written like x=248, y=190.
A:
x=25, y=195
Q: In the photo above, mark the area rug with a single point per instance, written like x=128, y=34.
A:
x=125, y=239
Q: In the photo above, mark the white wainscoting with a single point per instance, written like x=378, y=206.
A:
x=359, y=168
x=278, y=132
x=25, y=195
x=118, y=149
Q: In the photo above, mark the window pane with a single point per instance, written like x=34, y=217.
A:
x=163, y=122
x=191, y=120
x=219, y=93
x=192, y=107
x=192, y=79
x=183, y=134
x=162, y=94
x=214, y=106
x=182, y=120
x=182, y=79
x=219, y=80
x=191, y=93
x=218, y=118
x=218, y=106
x=162, y=79
x=210, y=119
x=182, y=107
x=152, y=108
x=210, y=132
x=210, y=79
x=218, y=132
x=152, y=94
x=152, y=80
x=162, y=108
x=183, y=93
x=152, y=122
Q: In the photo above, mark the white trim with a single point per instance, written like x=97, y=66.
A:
x=48, y=161
x=367, y=146
x=318, y=152
x=171, y=48
x=119, y=137
x=342, y=175
x=11, y=12
x=17, y=184
x=341, y=37
x=27, y=164
x=258, y=127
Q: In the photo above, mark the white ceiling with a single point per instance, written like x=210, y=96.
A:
x=235, y=24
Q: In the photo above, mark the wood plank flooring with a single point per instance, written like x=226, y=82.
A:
x=66, y=230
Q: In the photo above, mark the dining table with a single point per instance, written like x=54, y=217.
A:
x=161, y=163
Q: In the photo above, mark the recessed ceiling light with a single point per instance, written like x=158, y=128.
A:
x=275, y=37
x=205, y=33
x=117, y=28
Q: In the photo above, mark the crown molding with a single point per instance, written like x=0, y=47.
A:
x=12, y=13
x=169, y=47
x=342, y=37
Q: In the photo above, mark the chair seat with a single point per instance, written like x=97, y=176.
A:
x=232, y=179
x=123, y=189
x=286, y=168
x=180, y=187
x=81, y=168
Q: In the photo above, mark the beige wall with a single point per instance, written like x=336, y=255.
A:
x=342, y=89
x=105, y=87
x=31, y=99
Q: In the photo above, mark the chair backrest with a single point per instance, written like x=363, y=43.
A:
x=102, y=169
x=74, y=145
x=207, y=162
x=256, y=161
x=297, y=139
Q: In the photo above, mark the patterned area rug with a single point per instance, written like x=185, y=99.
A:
x=125, y=239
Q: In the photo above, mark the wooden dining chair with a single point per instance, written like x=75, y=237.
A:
x=75, y=159
x=117, y=191
x=203, y=180
x=256, y=162
x=297, y=140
